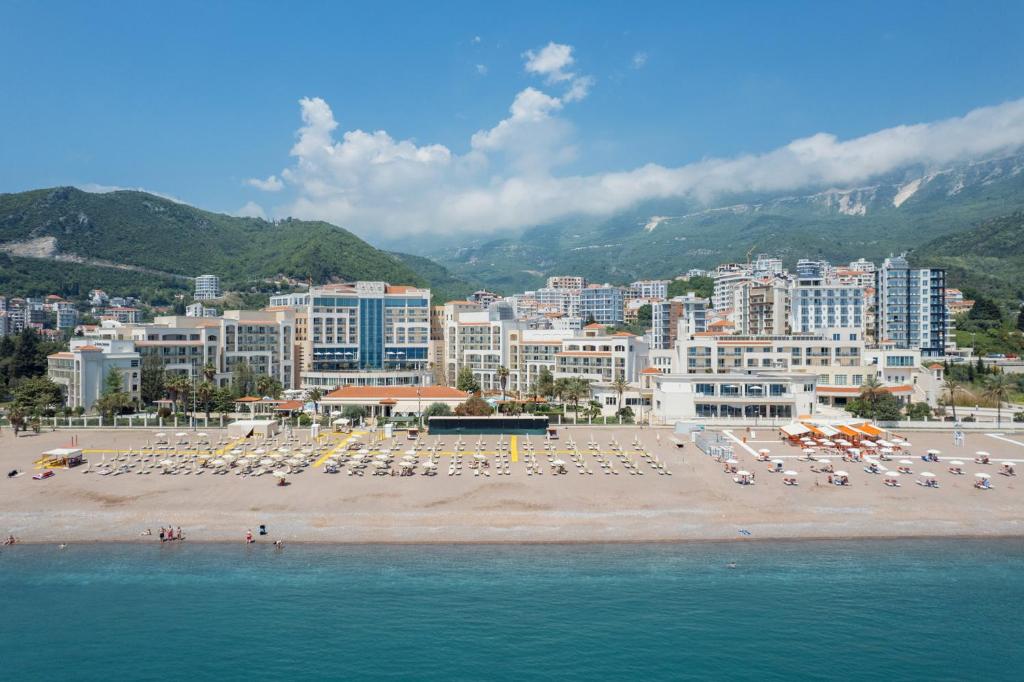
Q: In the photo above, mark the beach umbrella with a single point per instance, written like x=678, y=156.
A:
x=180, y=434
x=789, y=473
x=280, y=473
x=382, y=457
x=559, y=462
x=764, y=451
x=731, y=461
x=892, y=475
x=218, y=462
x=266, y=462
x=809, y=451
x=167, y=462
x=906, y=462
x=887, y=451
x=956, y=463
x=824, y=460
x=1006, y=464
x=982, y=476
x=842, y=473
x=293, y=461
x=743, y=473
x=927, y=474
x=429, y=465
x=381, y=465
x=777, y=461
x=480, y=456
x=933, y=452
x=411, y=453
x=407, y=465
x=982, y=453
x=202, y=435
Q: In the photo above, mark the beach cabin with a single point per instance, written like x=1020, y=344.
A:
x=63, y=458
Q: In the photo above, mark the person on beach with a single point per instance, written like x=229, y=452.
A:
x=181, y=536
x=248, y=537
x=170, y=534
x=10, y=540
x=147, y=532
x=278, y=544
x=162, y=534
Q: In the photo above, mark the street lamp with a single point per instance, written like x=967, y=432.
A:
x=419, y=408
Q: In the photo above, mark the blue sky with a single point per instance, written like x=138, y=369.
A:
x=194, y=99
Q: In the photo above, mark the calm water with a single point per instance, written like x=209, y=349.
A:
x=866, y=610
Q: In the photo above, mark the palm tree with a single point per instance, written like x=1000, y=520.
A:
x=576, y=390
x=209, y=371
x=870, y=391
x=997, y=388
x=204, y=392
x=177, y=386
x=502, y=374
x=314, y=396
x=264, y=384
x=952, y=386
x=620, y=385
x=593, y=410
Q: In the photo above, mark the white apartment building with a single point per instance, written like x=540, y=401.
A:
x=199, y=310
x=690, y=311
x=760, y=306
x=601, y=358
x=82, y=370
x=207, y=287
x=648, y=288
x=603, y=303
x=826, y=306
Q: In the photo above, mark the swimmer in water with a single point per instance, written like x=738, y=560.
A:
x=731, y=564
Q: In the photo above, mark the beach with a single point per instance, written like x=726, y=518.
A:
x=698, y=501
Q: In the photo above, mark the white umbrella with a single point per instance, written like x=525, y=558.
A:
x=743, y=473
x=180, y=434
x=789, y=473
x=381, y=465
x=266, y=462
x=927, y=474
x=956, y=463
x=1006, y=464
x=905, y=462
x=982, y=453
x=982, y=476
x=480, y=457
x=294, y=461
x=824, y=460
x=407, y=465
x=933, y=452
x=809, y=451
x=382, y=457
x=892, y=474
x=167, y=462
x=731, y=461
x=842, y=473
x=280, y=473
x=202, y=435
x=429, y=465
x=559, y=463
x=764, y=451
x=410, y=452
x=777, y=461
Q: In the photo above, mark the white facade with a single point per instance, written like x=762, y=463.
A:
x=207, y=287
x=911, y=307
x=83, y=369
x=826, y=306
x=648, y=288
x=755, y=395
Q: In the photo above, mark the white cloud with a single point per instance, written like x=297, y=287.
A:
x=551, y=61
x=481, y=69
x=507, y=177
x=271, y=184
x=476, y=39
x=251, y=210
x=639, y=60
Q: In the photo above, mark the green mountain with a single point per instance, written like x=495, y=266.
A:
x=67, y=241
x=987, y=259
x=894, y=213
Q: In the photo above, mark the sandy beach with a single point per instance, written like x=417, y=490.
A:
x=698, y=501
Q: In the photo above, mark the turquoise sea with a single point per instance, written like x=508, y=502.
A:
x=887, y=610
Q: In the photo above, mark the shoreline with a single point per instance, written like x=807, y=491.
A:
x=796, y=539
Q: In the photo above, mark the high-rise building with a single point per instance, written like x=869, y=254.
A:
x=604, y=304
x=826, y=306
x=680, y=314
x=368, y=334
x=566, y=282
x=648, y=288
x=207, y=287
x=911, y=306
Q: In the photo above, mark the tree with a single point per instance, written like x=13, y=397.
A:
x=919, y=411
x=985, y=309
x=355, y=413
x=38, y=395
x=593, y=410
x=265, y=386
x=242, y=381
x=114, y=399
x=315, y=395
x=437, y=410
x=643, y=316
x=475, y=406
x=545, y=383
x=151, y=386
x=1020, y=319
x=177, y=387
x=997, y=388
x=952, y=386
x=575, y=390
x=466, y=381
x=204, y=394
x=502, y=374
x=871, y=390
x=16, y=416
x=209, y=371
x=620, y=385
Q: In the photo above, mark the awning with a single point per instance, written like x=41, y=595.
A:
x=794, y=429
x=869, y=429
x=849, y=432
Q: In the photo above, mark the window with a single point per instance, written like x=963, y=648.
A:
x=858, y=379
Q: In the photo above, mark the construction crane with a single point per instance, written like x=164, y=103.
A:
x=750, y=251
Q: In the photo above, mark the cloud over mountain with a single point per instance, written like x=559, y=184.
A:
x=508, y=177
